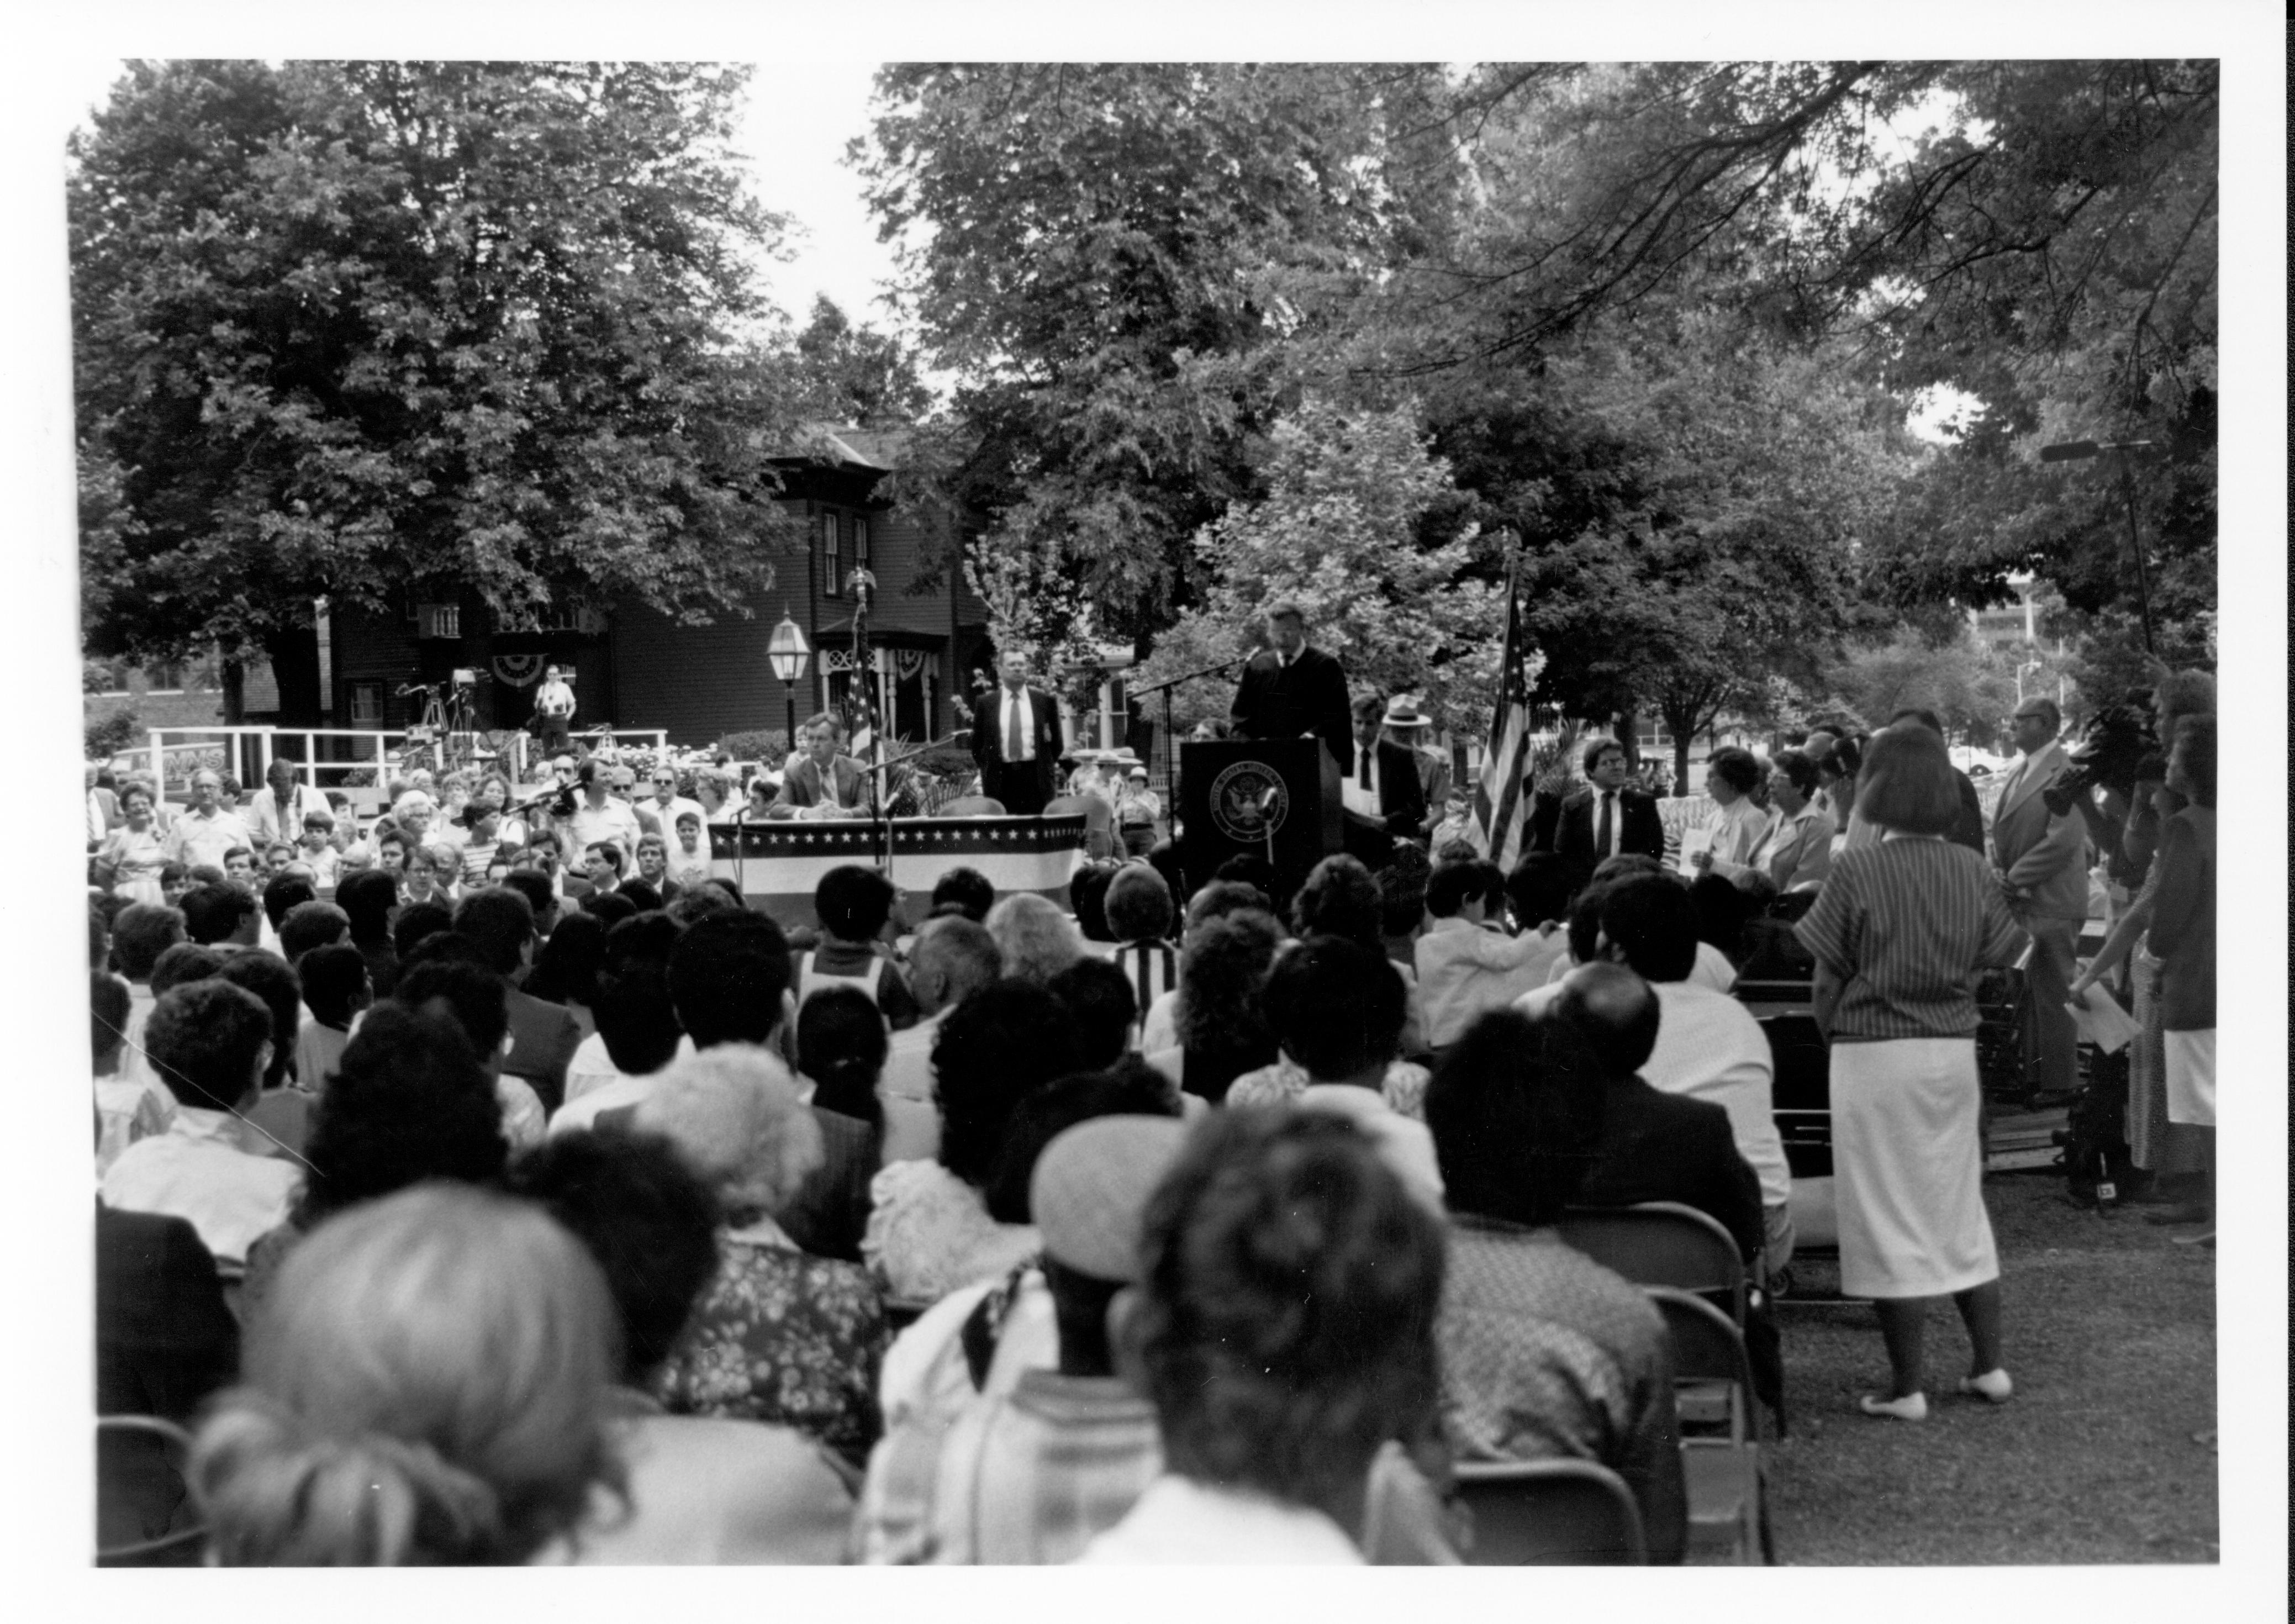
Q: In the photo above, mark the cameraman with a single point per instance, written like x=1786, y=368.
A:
x=2041, y=857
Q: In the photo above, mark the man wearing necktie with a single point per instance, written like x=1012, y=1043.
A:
x=1384, y=787
x=2041, y=858
x=1290, y=689
x=1609, y=816
x=1016, y=739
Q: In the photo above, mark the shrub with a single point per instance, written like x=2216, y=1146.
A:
x=770, y=746
x=108, y=736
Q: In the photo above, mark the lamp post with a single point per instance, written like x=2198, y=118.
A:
x=789, y=655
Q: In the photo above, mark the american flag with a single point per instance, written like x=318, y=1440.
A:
x=1501, y=809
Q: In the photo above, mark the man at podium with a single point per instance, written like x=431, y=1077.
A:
x=1290, y=689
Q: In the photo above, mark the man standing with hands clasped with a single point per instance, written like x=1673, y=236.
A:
x=1016, y=739
x=1608, y=816
x=2041, y=858
x=1289, y=688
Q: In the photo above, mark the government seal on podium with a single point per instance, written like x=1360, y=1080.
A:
x=1249, y=801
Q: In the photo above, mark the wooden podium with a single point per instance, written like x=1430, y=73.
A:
x=1277, y=798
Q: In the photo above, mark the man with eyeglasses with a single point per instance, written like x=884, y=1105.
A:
x=665, y=803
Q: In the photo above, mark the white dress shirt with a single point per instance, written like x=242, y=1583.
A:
x=1007, y=703
x=1359, y=796
x=208, y=1168
x=1179, y=1522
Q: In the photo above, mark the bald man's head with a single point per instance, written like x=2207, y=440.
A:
x=1614, y=1010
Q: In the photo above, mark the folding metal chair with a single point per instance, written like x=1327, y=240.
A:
x=901, y=1312
x=139, y=1489
x=1720, y=1455
x=1663, y=1242
x=1559, y=1513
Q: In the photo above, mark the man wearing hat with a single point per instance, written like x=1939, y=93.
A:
x=1289, y=688
x=1137, y=808
x=1406, y=724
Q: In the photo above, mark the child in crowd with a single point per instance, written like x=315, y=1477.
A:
x=689, y=858
x=318, y=852
x=335, y=989
x=853, y=904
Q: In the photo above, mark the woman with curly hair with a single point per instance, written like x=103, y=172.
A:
x=1222, y=1018
x=408, y=1102
x=777, y=1336
x=425, y=1386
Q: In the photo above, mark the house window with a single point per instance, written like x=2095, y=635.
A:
x=831, y=566
x=441, y=621
x=163, y=679
x=860, y=544
x=366, y=704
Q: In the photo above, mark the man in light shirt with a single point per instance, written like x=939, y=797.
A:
x=1466, y=961
x=1016, y=739
x=205, y=830
x=598, y=815
x=950, y=959
x=211, y=1041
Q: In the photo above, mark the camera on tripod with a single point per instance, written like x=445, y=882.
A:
x=2115, y=740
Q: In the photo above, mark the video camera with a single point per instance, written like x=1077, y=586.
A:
x=2116, y=738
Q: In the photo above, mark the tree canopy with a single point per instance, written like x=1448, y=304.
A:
x=352, y=329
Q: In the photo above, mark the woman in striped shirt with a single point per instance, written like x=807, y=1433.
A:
x=1899, y=931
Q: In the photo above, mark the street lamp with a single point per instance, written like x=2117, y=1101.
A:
x=789, y=655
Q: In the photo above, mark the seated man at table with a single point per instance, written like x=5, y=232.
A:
x=822, y=783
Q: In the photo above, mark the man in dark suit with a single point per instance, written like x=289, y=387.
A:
x=1608, y=816
x=543, y=1036
x=1655, y=1147
x=821, y=782
x=1290, y=689
x=1384, y=785
x=1016, y=739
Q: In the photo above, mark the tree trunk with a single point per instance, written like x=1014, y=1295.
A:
x=294, y=655
x=1680, y=758
x=234, y=693
x=1629, y=734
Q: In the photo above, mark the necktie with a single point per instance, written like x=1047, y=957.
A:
x=1362, y=771
x=1602, y=830
x=1014, y=745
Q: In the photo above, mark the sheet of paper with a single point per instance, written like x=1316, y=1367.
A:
x=2100, y=1021
x=1694, y=841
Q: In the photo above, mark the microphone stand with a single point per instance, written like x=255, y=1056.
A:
x=1164, y=688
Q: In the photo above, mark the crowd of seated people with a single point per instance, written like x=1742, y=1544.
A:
x=1218, y=1227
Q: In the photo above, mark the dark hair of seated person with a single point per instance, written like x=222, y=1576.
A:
x=726, y=977
x=1615, y=1011
x=1539, y=889
x=1721, y=912
x=534, y=886
x=566, y=969
x=282, y=892
x=108, y=1004
x=1652, y=920
x=993, y=1051
x=142, y=931
x=1339, y=899
x=501, y=921
x=1222, y=1017
x=644, y=938
x=636, y=1021
x=368, y=895
x=1088, y=899
x=310, y=925
x=640, y=894
x=1139, y=904
x=333, y=978
x=1454, y=885
x=647, y=1221
x=408, y=1101
x=968, y=890
x=186, y=961
x=841, y=1045
x=214, y=913
x=1516, y=1108
x=1337, y=1009
x=202, y=1039
x=417, y=920
x=1247, y=869
x=463, y=989
x=1122, y=1090
x=1101, y=1002
x=852, y=903
x=271, y=979
x=1402, y=894
x=610, y=906
x=1284, y=1321
x=696, y=903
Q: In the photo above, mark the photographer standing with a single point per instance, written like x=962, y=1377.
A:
x=2041, y=858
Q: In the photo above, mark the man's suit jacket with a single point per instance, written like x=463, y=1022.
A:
x=1309, y=696
x=2034, y=848
x=543, y=1038
x=1641, y=829
x=801, y=785
x=1402, y=793
x=829, y=1212
x=1659, y=1146
x=164, y=1338
x=1045, y=735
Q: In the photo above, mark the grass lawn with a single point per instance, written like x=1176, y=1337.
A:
x=2110, y=1334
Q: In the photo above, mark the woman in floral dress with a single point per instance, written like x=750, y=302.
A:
x=779, y=1335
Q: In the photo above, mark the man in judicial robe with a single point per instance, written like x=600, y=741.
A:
x=1290, y=689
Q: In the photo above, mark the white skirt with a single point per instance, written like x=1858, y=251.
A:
x=2192, y=1077
x=1908, y=1168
